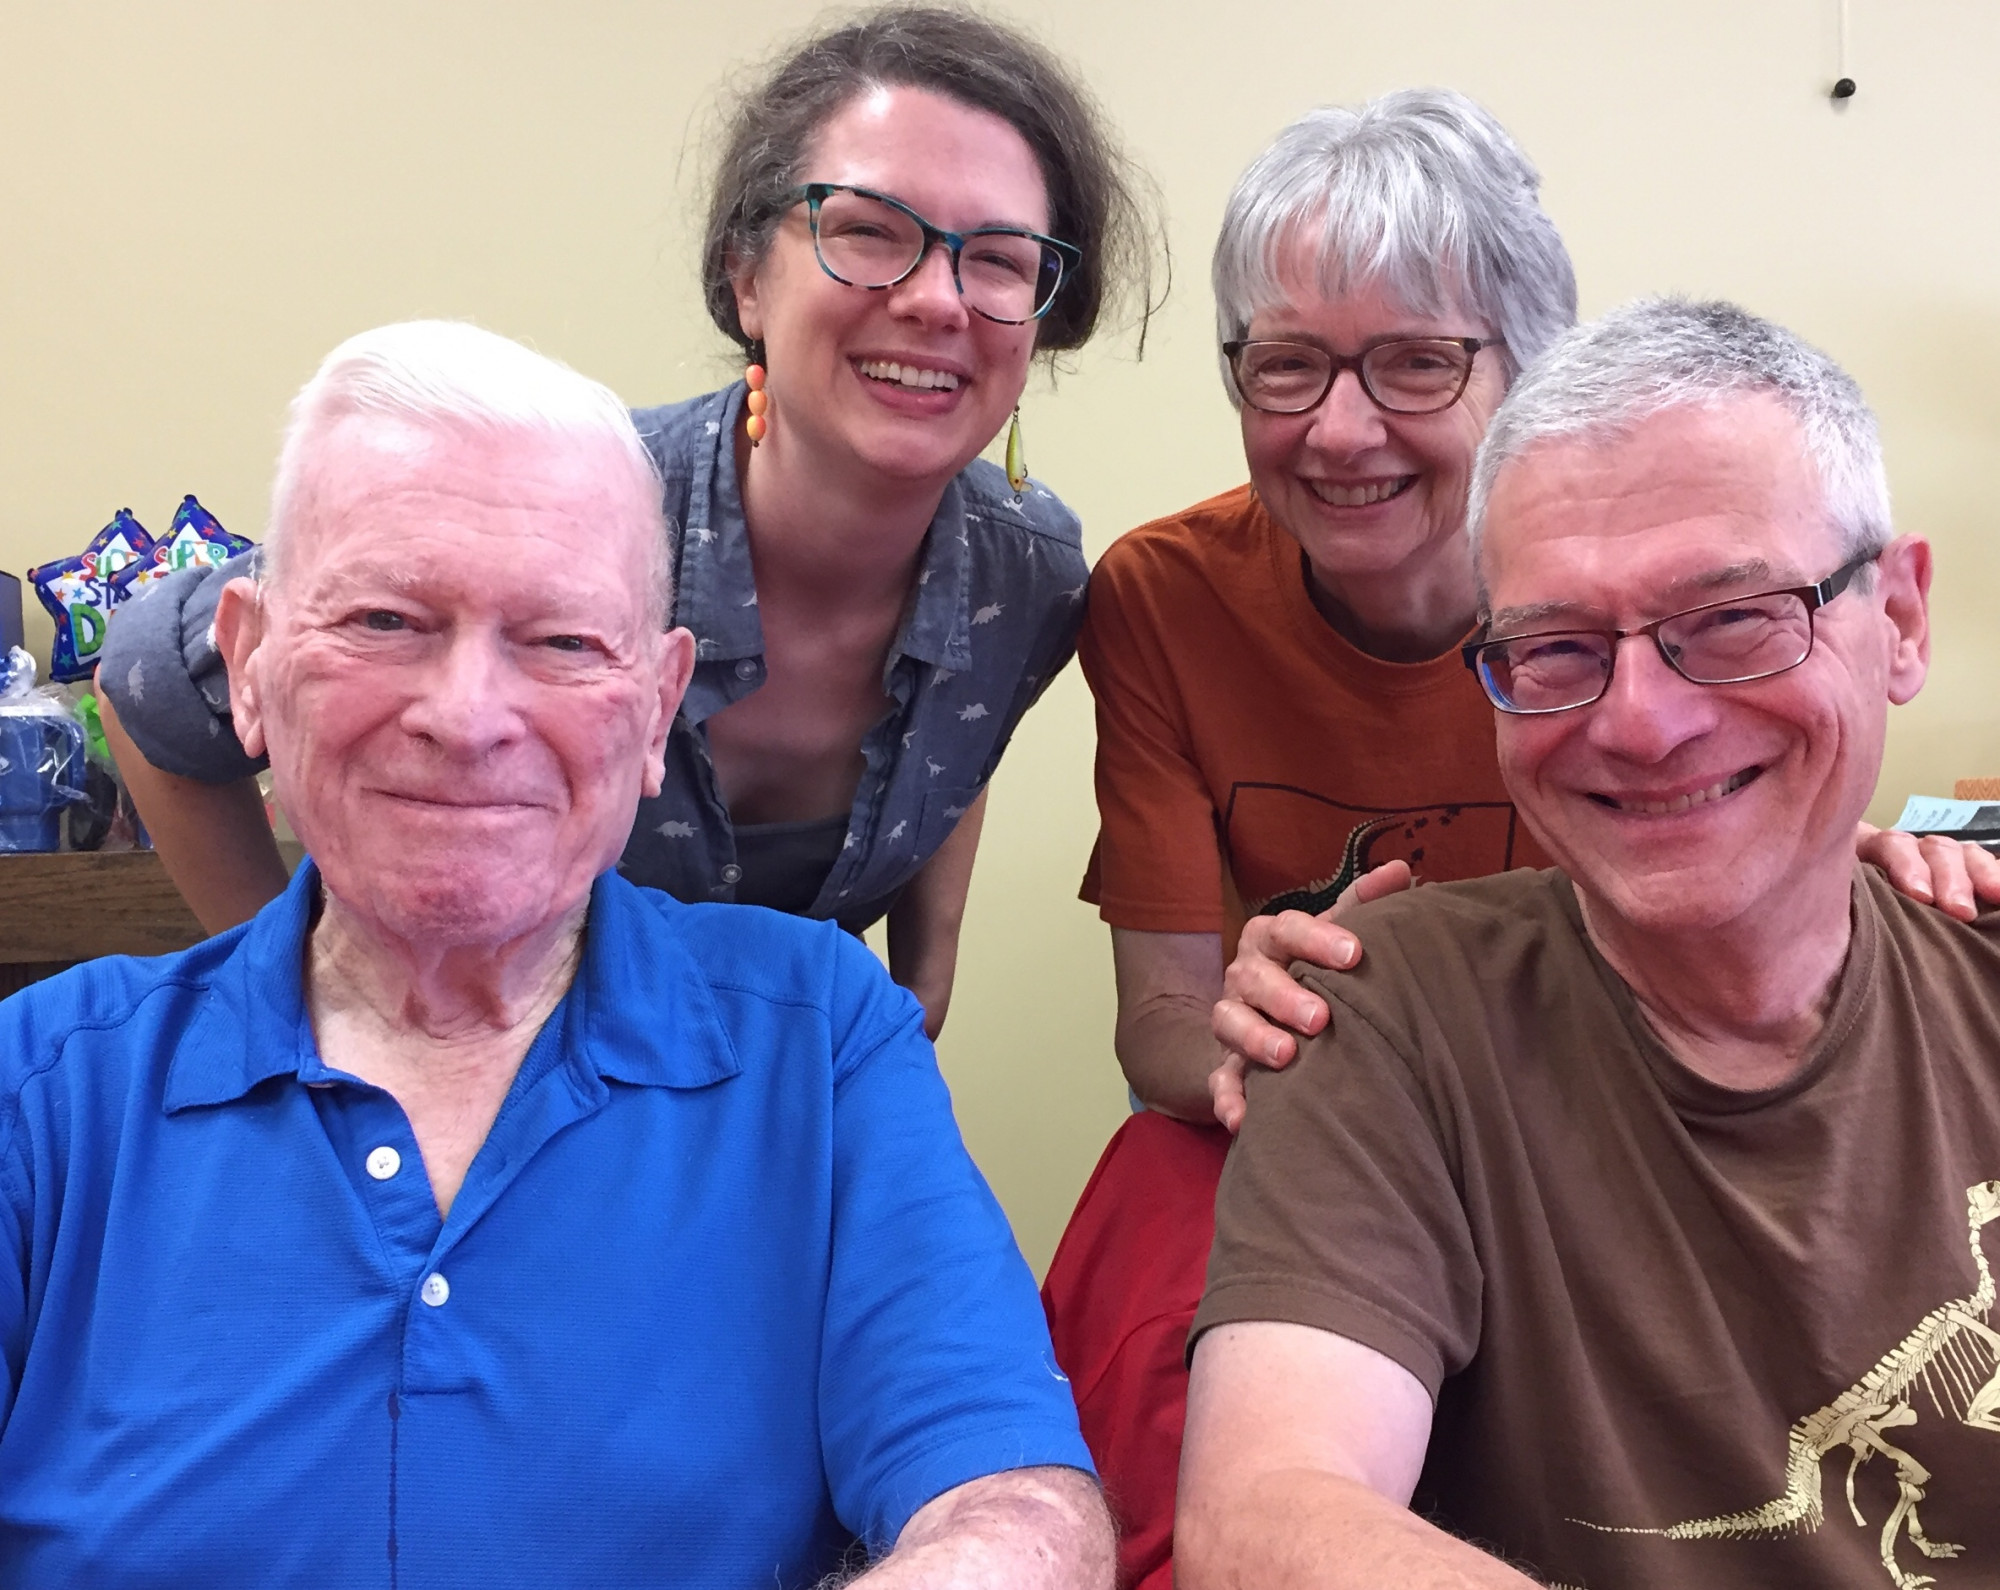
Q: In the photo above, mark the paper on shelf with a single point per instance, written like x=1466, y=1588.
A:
x=1930, y=814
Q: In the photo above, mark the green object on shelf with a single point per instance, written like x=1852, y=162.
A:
x=93, y=728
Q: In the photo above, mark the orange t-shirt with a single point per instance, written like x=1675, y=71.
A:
x=1242, y=742
x=1242, y=747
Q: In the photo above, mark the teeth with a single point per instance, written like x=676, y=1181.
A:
x=1357, y=496
x=1714, y=792
x=909, y=375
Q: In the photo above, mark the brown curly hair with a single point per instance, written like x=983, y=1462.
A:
x=1094, y=192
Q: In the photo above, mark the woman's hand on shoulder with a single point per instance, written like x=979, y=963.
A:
x=1959, y=878
x=1261, y=999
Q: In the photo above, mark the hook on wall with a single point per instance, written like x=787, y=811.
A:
x=1843, y=87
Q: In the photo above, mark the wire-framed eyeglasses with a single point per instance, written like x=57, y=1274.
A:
x=868, y=239
x=1718, y=643
x=1404, y=375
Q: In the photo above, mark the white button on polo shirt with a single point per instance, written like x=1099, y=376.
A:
x=384, y=1162
x=434, y=1290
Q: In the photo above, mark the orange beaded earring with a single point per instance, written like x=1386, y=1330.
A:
x=758, y=403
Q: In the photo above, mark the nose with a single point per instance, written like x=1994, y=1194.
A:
x=464, y=701
x=930, y=292
x=1648, y=711
x=1347, y=421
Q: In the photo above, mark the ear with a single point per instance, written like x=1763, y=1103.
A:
x=239, y=631
x=749, y=311
x=1904, y=572
x=676, y=668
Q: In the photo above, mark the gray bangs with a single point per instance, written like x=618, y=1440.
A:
x=1421, y=192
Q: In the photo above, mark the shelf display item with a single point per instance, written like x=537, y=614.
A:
x=41, y=759
x=79, y=596
x=196, y=541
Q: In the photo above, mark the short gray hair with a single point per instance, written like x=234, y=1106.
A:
x=1612, y=375
x=450, y=375
x=1420, y=190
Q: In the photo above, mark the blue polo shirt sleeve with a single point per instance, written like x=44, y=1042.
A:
x=25, y=1050
x=936, y=1367
x=14, y=1217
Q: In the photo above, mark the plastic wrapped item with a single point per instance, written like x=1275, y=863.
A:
x=41, y=759
x=78, y=593
x=105, y=819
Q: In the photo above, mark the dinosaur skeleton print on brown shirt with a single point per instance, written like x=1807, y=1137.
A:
x=1677, y=1334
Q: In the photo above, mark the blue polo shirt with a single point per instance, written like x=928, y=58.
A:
x=722, y=1289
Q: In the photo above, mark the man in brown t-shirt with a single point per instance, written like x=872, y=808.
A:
x=1629, y=1225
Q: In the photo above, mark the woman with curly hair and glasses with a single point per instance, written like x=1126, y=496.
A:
x=906, y=211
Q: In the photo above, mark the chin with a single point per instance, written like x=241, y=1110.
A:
x=1359, y=552
x=919, y=458
x=1688, y=893
x=444, y=901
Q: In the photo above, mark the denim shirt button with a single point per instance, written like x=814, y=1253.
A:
x=746, y=669
x=732, y=873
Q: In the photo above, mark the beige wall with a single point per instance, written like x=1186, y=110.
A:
x=198, y=201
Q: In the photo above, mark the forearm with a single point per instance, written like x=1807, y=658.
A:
x=1027, y=1529
x=1304, y=1529
x=1166, y=1048
x=924, y=925
x=213, y=839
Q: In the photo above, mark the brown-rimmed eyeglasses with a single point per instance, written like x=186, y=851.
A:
x=1719, y=643
x=1404, y=375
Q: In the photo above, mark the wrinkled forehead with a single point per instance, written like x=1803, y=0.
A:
x=1694, y=502
x=374, y=490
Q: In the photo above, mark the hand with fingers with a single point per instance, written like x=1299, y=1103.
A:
x=1261, y=999
x=1959, y=878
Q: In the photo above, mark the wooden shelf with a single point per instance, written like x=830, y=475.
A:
x=74, y=906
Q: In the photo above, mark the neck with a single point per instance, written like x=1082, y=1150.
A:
x=829, y=529
x=418, y=994
x=1403, y=614
x=1740, y=1005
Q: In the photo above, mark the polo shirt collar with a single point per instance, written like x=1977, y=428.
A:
x=639, y=1011
x=716, y=597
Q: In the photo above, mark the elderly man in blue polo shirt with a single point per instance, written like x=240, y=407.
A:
x=472, y=1216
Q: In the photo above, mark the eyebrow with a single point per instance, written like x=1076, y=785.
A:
x=1706, y=583
x=1307, y=339
x=963, y=231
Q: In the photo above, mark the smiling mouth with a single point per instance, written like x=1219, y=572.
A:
x=1361, y=496
x=456, y=804
x=915, y=377
x=1681, y=803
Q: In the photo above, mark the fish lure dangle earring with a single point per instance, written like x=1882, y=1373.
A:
x=1017, y=458
x=758, y=402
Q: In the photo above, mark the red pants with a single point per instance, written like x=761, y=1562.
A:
x=1120, y=1294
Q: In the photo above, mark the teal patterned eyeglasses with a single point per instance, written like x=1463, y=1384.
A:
x=870, y=240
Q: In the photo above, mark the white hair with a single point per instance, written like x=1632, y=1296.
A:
x=1421, y=191
x=1609, y=376
x=449, y=375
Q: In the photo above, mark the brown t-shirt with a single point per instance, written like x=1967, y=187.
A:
x=1243, y=745
x=1664, y=1321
